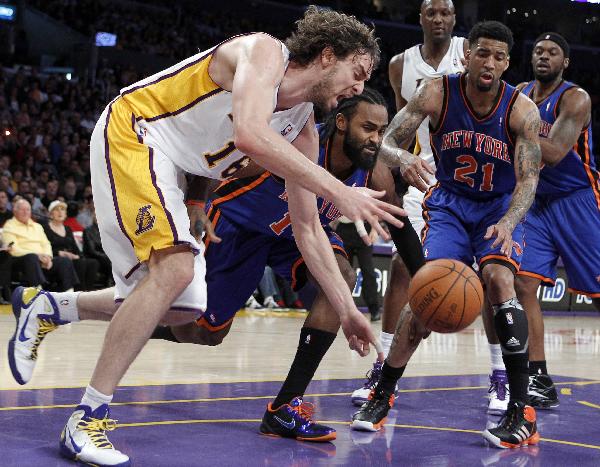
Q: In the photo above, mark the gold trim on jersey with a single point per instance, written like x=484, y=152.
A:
x=173, y=92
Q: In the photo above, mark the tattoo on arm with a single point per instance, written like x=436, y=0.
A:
x=402, y=127
x=527, y=160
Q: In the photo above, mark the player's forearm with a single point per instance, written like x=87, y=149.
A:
x=275, y=154
x=521, y=201
x=395, y=156
x=552, y=153
x=320, y=260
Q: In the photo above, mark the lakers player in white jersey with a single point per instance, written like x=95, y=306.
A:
x=248, y=98
x=440, y=54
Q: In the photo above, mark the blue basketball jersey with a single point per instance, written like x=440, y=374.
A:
x=474, y=153
x=578, y=168
x=260, y=203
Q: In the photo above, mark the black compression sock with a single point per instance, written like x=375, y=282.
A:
x=518, y=376
x=165, y=333
x=389, y=378
x=538, y=367
x=312, y=347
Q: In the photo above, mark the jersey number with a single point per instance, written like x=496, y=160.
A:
x=213, y=159
x=282, y=224
x=469, y=167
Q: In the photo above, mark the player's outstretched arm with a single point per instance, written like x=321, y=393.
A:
x=259, y=70
x=574, y=114
x=426, y=102
x=318, y=255
x=525, y=124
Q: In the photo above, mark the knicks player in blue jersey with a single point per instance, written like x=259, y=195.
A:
x=565, y=217
x=252, y=229
x=484, y=135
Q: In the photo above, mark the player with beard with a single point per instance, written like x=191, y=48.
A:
x=246, y=99
x=440, y=54
x=484, y=136
x=565, y=217
x=250, y=218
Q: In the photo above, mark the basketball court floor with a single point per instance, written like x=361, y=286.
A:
x=186, y=405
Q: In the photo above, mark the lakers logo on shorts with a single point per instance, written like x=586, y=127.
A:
x=144, y=220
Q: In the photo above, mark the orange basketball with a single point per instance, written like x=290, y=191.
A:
x=445, y=295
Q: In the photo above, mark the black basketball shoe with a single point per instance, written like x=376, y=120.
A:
x=373, y=413
x=542, y=393
x=517, y=428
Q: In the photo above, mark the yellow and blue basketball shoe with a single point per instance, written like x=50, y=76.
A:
x=36, y=313
x=84, y=438
x=293, y=420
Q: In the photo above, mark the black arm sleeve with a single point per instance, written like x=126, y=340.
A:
x=408, y=245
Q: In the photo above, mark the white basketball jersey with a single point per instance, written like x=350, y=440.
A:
x=415, y=71
x=184, y=114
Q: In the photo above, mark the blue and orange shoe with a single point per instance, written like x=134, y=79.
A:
x=293, y=420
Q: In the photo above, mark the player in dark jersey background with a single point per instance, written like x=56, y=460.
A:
x=564, y=219
x=484, y=135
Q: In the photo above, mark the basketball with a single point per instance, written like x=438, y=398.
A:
x=445, y=295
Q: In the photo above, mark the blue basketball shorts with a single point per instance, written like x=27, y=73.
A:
x=455, y=227
x=569, y=227
x=235, y=266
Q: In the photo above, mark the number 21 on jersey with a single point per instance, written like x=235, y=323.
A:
x=469, y=167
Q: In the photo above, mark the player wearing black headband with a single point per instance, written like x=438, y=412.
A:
x=565, y=217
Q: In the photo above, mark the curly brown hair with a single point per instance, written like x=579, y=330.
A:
x=322, y=28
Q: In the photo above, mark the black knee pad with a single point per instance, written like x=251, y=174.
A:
x=511, y=327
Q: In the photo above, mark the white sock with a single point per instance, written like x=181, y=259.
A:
x=67, y=305
x=94, y=399
x=496, y=357
x=386, y=342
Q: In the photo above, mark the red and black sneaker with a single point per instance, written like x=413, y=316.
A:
x=373, y=413
x=517, y=428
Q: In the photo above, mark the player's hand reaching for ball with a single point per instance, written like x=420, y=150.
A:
x=415, y=171
x=503, y=234
x=363, y=204
x=359, y=334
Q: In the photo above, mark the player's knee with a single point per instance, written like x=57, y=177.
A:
x=511, y=327
x=499, y=282
x=526, y=286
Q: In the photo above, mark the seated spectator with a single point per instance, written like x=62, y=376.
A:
x=86, y=212
x=5, y=271
x=71, y=220
x=32, y=253
x=92, y=248
x=5, y=212
x=64, y=245
x=51, y=192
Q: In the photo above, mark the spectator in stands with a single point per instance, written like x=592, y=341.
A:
x=92, y=248
x=86, y=211
x=5, y=271
x=6, y=185
x=70, y=190
x=51, y=192
x=72, y=213
x=5, y=212
x=32, y=253
x=64, y=245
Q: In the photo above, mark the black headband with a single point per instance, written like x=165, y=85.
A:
x=557, y=39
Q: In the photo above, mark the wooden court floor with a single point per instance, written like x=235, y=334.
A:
x=181, y=404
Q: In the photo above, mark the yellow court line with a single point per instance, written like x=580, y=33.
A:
x=240, y=398
x=280, y=380
x=589, y=404
x=337, y=422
